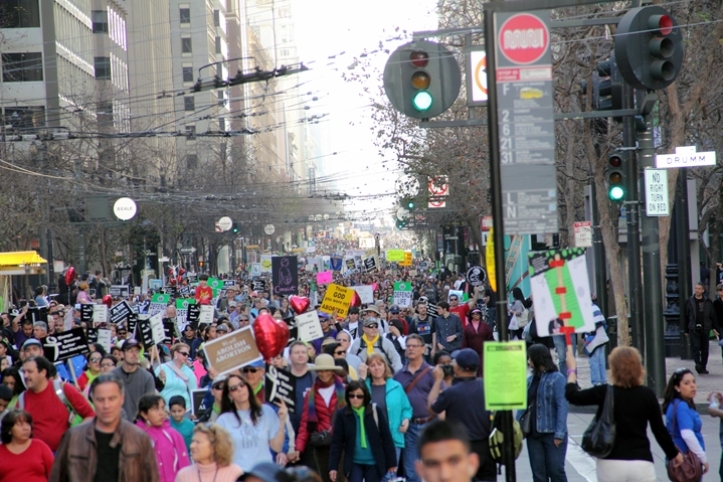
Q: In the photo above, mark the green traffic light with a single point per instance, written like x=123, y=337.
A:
x=410, y=205
x=616, y=193
x=422, y=100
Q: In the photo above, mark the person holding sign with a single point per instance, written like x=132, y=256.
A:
x=179, y=378
x=254, y=428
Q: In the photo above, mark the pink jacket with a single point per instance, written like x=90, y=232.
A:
x=170, y=449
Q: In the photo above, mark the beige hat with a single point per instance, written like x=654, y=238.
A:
x=373, y=309
x=324, y=362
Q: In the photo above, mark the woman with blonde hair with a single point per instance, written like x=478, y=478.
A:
x=634, y=407
x=178, y=377
x=212, y=453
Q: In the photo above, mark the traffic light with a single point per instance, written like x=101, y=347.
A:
x=422, y=79
x=610, y=86
x=235, y=228
x=649, y=48
x=409, y=204
x=401, y=223
x=615, y=177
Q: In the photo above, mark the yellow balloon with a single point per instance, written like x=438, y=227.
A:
x=490, y=261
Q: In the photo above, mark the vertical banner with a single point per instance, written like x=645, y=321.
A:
x=285, y=275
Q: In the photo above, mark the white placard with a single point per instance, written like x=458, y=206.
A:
x=69, y=320
x=157, y=331
x=309, y=326
x=403, y=299
x=656, y=192
x=366, y=294
x=694, y=159
x=206, y=316
x=104, y=337
x=100, y=314
x=583, y=234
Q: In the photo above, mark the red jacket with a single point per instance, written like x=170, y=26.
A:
x=324, y=413
x=474, y=339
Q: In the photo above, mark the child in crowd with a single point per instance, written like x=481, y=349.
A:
x=179, y=422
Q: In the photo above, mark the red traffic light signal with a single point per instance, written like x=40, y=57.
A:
x=649, y=48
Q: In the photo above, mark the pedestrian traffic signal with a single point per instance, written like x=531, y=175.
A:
x=615, y=176
x=422, y=79
x=649, y=48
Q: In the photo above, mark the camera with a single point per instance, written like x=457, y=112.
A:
x=448, y=370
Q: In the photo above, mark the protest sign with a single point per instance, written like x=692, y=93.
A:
x=100, y=314
x=370, y=264
x=120, y=312
x=158, y=303
x=285, y=275
x=407, y=259
x=325, y=277
x=395, y=255
x=104, y=338
x=86, y=312
x=184, y=291
x=120, y=291
x=505, y=375
x=169, y=330
x=335, y=263
x=232, y=351
x=476, y=276
x=144, y=332
x=132, y=322
x=561, y=290
x=197, y=403
x=279, y=385
x=69, y=319
x=194, y=314
x=206, y=315
x=256, y=269
x=228, y=283
x=91, y=335
x=64, y=345
x=258, y=285
x=432, y=310
x=366, y=294
x=266, y=263
x=155, y=284
x=403, y=292
x=157, y=331
x=337, y=299
x=308, y=326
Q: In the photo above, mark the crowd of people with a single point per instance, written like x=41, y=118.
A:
x=369, y=395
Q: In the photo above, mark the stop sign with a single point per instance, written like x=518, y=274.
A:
x=523, y=38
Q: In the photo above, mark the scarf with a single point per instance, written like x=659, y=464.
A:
x=338, y=388
x=362, y=431
x=370, y=343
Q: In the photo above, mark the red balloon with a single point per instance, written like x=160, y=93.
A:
x=271, y=335
x=299, y=304
x=70, y=276
x=356, y=300
x=108, y=300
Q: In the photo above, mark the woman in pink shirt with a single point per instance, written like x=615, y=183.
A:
x=212, y=452
x=169, y=445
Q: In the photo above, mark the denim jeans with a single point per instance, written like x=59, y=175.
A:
x=410, y=451
x=597, y=366
x=546, y=460
x=559, y=341
x=364, y=473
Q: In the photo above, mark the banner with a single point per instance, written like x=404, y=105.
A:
x=279, y=385
x=120, y=312
x=266, y=263
x=100, y=314
x=337, y=300
x=308, y=326
x=232, y=351
x=370, y=264
x=206, y=315
x=561, y=290
x=395, y=255
x=325, y=277
x=285, y=275
x=144, y=332
x=86, y=312
x=104, y=338
x=158, y=332
x=64, y=345
x=335, y=264
x=120, y=291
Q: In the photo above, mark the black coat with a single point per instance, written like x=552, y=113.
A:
x=709, y=319
x=344, y=439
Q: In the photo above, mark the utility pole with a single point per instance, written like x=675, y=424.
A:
x=632, y=213
x=81, y=225
x=598, y=254
x=683, y=233
x=654, y=343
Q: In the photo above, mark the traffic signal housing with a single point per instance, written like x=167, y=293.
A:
x=649, y=48
x=610, y=86
x=615, y=177
x=235, y=228
x=422, y=79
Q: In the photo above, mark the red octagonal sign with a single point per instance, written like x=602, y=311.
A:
x=523, y=38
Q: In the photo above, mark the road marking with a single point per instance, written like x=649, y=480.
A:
x=581, y=461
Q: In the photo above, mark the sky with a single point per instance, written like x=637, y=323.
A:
x=330, y=27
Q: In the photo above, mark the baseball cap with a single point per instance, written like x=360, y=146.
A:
x=222, y=327
x=132, y=343
x=30, y=342
x=394, y=310
x=219, y=379
x=267, y=472
x=371, y=321
x=256, y=364
x=467, y=359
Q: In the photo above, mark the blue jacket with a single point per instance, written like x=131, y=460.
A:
x=551, y=404
x=398, y=409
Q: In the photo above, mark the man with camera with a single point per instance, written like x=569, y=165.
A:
x=701, y=319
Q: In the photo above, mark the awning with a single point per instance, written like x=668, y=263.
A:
x=21, y=262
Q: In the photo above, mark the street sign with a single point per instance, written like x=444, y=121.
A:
x=656, y=192
x=125, y=208
x=477, y=76
x=526, y=122
x=269, y=229
x=438, y=188
x=190, y=250
x=583, y=234
x=694, y=159
x=225, y=223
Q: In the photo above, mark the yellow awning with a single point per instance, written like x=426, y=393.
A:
x=20, y=258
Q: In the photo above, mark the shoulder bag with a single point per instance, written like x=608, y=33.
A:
x=691, y=470
x=599, y=438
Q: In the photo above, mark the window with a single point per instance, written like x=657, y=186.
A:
x=191, y=133
x=185, y=14
x=222, y=124
x=25, y=67
x=102, y=67
x=218, y=45
x=100, y=21
x=186, y=47
x=24, y=117
x=216, y=18
x=189, y=103
x=191, y=161
x=221, y=101
x=19, y=13
x=284, y=52
x=188, y=74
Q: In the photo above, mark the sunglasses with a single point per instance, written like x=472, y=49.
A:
x=360, y=396
x=184, y=353
x=373, y=326
x=95, y=360
x=453, y=299
x=340, y=352
x=218, y=386
x=233, y=388
x=250, y=370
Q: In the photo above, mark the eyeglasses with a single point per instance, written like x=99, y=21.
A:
x=453, y=299
x=340, y=352
x=359, y=396
x=243, y=319
x=250, y=370
x=95, y=360
x=182, y=353
x=218, y=386
x=233, y=388
x=107, y=365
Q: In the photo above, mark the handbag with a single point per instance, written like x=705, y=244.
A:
x=320, y=439
x=599, y=438
x=691, y=470
x=526, y=422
